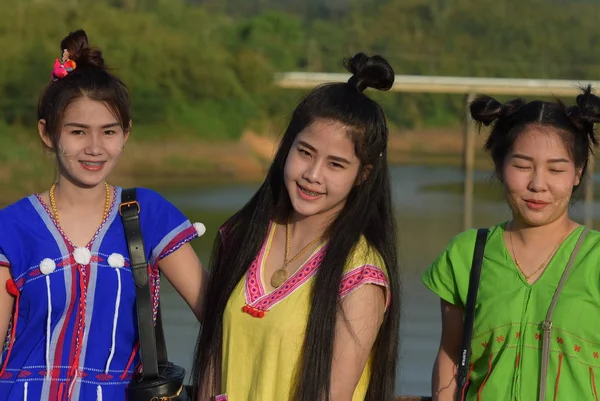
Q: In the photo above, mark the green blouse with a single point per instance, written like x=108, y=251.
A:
x=507, y=334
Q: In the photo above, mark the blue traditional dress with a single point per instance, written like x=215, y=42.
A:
x=73, y=334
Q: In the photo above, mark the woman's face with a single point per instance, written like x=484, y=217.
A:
x=539, y=175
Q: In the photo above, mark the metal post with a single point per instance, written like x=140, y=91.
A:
x=469, y=164
x=588, y=218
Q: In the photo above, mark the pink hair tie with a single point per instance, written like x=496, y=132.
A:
x=62, y=67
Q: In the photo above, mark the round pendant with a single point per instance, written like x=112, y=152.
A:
x=278, y=278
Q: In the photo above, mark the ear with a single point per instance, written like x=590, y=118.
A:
x=578, y=174
x=44, y=135
x=126, y=132
x=364, y=174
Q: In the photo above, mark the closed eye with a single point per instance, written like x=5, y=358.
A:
x=522, y=167
x=304, y=152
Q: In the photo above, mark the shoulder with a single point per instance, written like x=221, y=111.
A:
x=591, y=243
x=151, y=202
x=364, y=254
x=148, y=196
x=19, y=211
x=464, y=242
x=593, y=236
x=364, y=265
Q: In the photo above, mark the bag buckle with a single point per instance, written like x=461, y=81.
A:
x=128, y=204
x=546, y=325
x=167, y=397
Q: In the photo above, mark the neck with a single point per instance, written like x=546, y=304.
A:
x=536, y=234
x=309, y=226
x=76, y=198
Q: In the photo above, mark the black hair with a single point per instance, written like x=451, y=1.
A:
x=90, y=78
x=575, y=124
x=367, y=212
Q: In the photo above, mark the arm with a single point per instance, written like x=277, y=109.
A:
x=6, y=302
x=355, y=334
x=184, y=270
x=443, y=380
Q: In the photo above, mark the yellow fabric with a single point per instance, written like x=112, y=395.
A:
x=261, y=354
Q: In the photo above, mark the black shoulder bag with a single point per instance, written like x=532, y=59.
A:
x=159, y=379
x=465, y=352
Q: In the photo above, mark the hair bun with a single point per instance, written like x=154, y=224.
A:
x=588, y=105
x=486, y=109
x=76, y=43
x=369, y=72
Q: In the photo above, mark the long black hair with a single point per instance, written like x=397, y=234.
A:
x=367, y=212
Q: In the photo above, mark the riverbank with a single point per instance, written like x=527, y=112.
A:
x=179, y=163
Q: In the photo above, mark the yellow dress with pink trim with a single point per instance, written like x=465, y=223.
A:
x=260, y=353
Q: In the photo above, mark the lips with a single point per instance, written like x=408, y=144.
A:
x=535, y=204
x=92, y=165
x=307, y=194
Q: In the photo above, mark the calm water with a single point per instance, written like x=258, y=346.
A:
x=426, y=222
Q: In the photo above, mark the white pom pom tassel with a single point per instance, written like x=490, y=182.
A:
x=48, y=331
x=82, y=256
x=200, y=229
x=115, y=315
x=116, y=260
x=47, y=266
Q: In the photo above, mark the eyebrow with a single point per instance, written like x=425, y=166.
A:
x=78, y=125
x=330, y=157
x=529, y=158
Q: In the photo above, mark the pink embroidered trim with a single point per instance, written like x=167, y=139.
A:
x=254, y=287
x=256, y=298
x=366, y=274
x=292, y=284
x=178, y=241
x=221, y=397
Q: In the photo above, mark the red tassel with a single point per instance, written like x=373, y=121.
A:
x=254, y=312
x=133, y=354
x=12, y=289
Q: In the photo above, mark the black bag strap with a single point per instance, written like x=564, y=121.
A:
x=465, y=352
x=152, y=341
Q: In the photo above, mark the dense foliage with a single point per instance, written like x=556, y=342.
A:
x=205, y=67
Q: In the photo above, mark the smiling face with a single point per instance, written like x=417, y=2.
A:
x=539, y=175
x=321, y=169
x=90, y=142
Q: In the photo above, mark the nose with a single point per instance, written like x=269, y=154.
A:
x=313, y=172
x=94, y=147
x=538, y=182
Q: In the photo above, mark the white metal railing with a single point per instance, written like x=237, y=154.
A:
x=468, y=86
x=437, y=84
